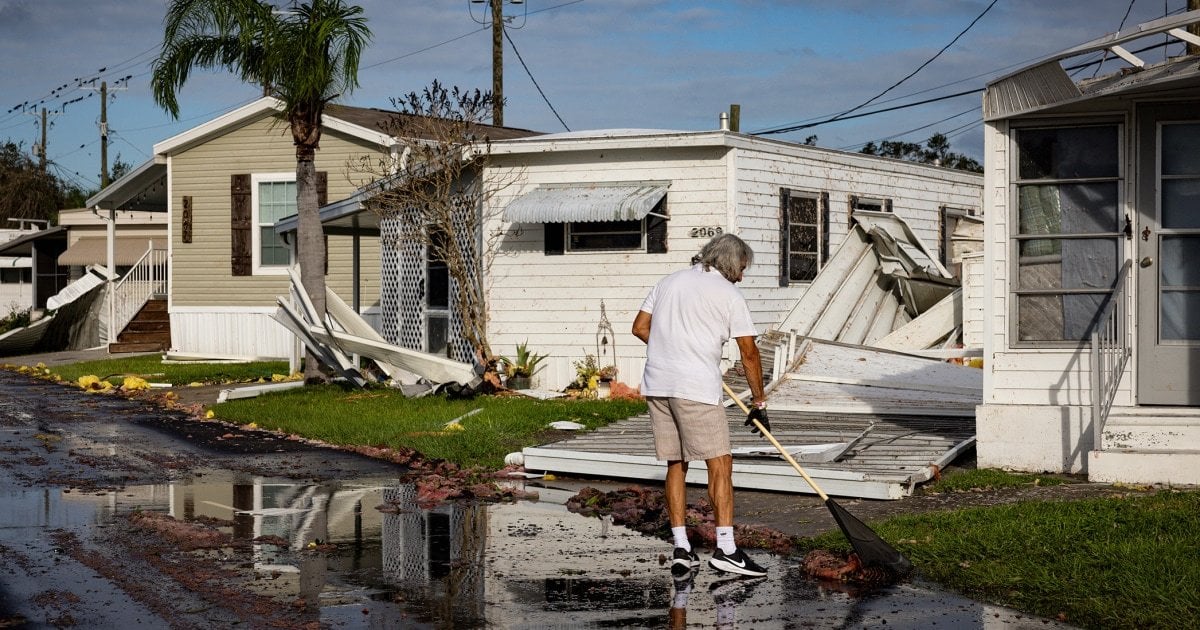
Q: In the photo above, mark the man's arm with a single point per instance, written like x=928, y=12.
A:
x=752, y=362
x=641, y=327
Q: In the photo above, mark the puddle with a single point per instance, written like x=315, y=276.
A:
x=523, y=565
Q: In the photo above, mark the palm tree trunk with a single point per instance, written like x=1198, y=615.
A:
x=310, y=243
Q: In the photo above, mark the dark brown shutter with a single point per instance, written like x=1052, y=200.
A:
x=784, y=241
x=887, y=205
x=186, y=222
x=555, y=238
x=240, y=234
x=824, y=210
x=656, y=229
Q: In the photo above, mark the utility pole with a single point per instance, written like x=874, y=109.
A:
x=498, y=62
x=42, y=145
x=104, y=182
x=1194, y=29
x=497, y=23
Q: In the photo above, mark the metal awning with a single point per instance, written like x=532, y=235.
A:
x=93, y=250
x=585, y=202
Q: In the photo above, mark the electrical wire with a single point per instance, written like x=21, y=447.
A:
x=843, y=115
x=1119, y=27
x=905, y=133
x=427, y=48
x=535, y=83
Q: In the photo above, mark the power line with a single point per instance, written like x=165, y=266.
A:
x=905, y=133
x=535, y=83
x=427, y=48
x=843, y=115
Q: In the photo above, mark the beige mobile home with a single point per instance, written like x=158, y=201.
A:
x=1092, y=261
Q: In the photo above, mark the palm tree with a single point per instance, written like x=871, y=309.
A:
x=305, y=57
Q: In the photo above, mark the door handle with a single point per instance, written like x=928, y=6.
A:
x=1147, y=261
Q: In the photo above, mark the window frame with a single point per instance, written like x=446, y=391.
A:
x=257, y=268
x=1014, y=237
x=822, y=249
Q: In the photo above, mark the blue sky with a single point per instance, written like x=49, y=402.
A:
x=665, y=64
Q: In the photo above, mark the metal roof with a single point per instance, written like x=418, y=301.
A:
x=585, y=202
x=1045, y=84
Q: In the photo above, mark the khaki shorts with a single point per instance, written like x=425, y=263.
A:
x=686, y=430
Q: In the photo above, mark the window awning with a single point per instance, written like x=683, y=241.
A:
x=93, y=250
x=585, y=202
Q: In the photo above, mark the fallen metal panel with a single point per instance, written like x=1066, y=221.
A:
x=430, y=366
x=897, y=453
x=354, y=324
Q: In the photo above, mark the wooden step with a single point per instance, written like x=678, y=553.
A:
x=122, y=347
x=148, y=326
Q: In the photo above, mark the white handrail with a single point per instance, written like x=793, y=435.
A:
x=1110, y=353
x=147, y=278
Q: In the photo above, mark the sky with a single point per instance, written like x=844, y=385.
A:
x=577, y=64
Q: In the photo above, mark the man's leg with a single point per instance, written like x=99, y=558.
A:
x=720, y=488
x=675, y=490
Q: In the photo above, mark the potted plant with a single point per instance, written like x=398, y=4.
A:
x=519, y=369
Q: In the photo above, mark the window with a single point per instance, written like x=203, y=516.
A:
x=803, y=235
x=873, y=204
x=274, y=197
x=437, y=297
x=1066, y=245
x=16, y=276
x=648, y=234
x=951, y=219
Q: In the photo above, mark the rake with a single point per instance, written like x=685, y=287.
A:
x=872, y=550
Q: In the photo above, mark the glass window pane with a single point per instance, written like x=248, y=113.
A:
x=273, y=251
x=605, y=227
x=802, y=210
x=802, y=267
x=437, y=283
x=1068, y=152
x=1180, y=315
x=1181, y=203
x=1084, y=263
x=1068, y=208
x=1180, y=261
x=803, y=238
x=437, y=331
x=1057, y=317
x=1180, y=142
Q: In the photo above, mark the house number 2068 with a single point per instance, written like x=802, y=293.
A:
x=705, y=232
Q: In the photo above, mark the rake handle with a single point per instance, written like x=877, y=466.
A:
x=778, y=446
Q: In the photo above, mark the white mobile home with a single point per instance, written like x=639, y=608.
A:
x=591, y=220
x=1092, y=252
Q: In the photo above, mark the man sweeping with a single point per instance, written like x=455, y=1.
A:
x=685, y=321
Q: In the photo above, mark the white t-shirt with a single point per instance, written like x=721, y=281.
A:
x=693, y=313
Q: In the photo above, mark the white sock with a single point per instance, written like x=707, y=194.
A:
x=725, y=540
x=681, y=539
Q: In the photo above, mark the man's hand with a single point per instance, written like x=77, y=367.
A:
x=761, y=416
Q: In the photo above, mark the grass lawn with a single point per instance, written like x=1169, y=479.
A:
x=381, y=417
x=1095, y=563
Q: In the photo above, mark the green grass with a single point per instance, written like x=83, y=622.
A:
x=151, y=368
x=988, y=479
x=381, y=417
x=1124, y=562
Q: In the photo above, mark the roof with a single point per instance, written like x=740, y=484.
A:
x=143, y=188
x=23, y=246
x=1044, y=85
x=378, y=119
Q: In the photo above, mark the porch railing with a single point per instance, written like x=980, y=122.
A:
x=147, y=278
x=1110, y=353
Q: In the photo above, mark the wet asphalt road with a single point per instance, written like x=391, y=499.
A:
x=116, y=514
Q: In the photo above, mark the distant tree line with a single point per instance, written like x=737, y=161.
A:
x=28, y=192
x=936, y=151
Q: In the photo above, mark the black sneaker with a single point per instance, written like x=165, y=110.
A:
x=736, y=562
x=684, y=561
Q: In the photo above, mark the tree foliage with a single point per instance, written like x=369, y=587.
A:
x=26, y=192
x=936, y=151
x=305, y=56
x=436, y=198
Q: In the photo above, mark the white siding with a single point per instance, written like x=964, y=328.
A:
x=553, y=302
x=229, y=331
x=973, y=299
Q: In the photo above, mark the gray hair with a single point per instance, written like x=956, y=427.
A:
x=727, y=254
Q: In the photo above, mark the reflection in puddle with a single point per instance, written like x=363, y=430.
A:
x=523, y=565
